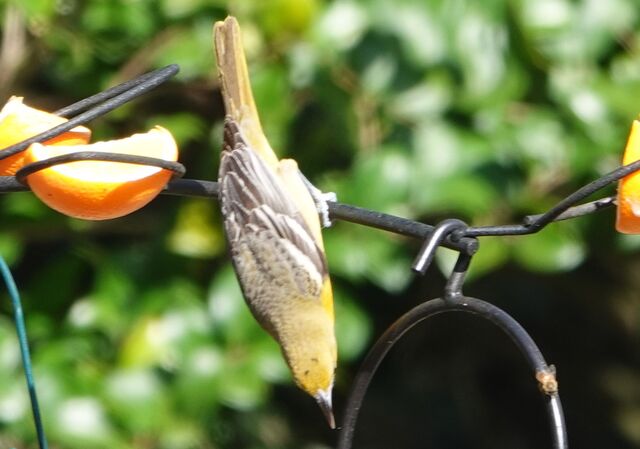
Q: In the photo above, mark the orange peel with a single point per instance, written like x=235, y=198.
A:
x=628, y=212
x=101, y=190
x=19, y=122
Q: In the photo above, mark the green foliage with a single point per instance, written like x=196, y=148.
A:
x=485, y=111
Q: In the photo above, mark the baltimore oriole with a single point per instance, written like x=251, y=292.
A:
x=273, y=232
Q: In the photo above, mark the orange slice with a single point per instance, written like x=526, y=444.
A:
x=99, y=190
x=628, y=216
x=19, y=122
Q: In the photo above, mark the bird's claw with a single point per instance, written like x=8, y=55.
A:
x=322, y=205
x=322, y=200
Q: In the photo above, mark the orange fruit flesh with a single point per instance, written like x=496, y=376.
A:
x=19, y=122
x=100, y=190
x=628, y=213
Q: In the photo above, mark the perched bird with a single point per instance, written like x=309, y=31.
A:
x=273, y=232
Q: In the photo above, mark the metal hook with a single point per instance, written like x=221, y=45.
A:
x=428, y=250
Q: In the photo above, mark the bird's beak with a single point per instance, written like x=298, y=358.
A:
x=323, y=397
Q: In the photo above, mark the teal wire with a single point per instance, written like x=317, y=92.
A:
x=24, y=350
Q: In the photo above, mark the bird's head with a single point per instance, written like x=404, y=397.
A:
x=312, y=359
x=315, y=376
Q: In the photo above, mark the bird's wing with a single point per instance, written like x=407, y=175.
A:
x=267, y=234
x=241, y=108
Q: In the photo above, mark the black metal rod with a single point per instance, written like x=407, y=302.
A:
x=577, y=211
x=148, y=82
x=98, y=98
x=397, y=225
x=9, y=184
x=338, y=211
x=584, y=192
x=561, y=210
x=193, y=188
x=498, y=230
x=429, y=309
x=453, y=288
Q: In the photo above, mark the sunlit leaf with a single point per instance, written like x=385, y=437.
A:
x=195, y=233
x=10, y=248
x=82, y=422
x=555, y=249
x=241, y=386
x=353, y=327
x=138, y=398
x=230, y=315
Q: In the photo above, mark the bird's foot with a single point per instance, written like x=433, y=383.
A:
x=322, y=200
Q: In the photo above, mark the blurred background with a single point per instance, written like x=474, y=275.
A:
x=484, y=111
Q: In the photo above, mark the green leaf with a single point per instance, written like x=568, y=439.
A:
x=190, y=48
x=196, y=234
x=137, y=398
x=282, y=19
x=147, y=344
x=341, y=26
x=556, y=248
x=360, y=253
x=430, y=98
x=419, y=30
x=11, y=247
x=464, y=195
x=38, y=10
x=353, y=326
x=185, y=127
x=273, y=94
x=185, y=8
x=26, y=205
x=232, y=320
x=379, y=181
x=82, y=422
x=241, y=387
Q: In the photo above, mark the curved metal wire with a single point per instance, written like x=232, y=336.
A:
x=21, y=176
x=565, y=209
x=429, y=309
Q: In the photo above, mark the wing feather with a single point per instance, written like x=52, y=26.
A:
x=266, y=232
x=257, y=179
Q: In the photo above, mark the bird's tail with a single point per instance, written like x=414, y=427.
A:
x=236, y=87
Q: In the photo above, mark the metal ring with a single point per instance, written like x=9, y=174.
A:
x=428, y=309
